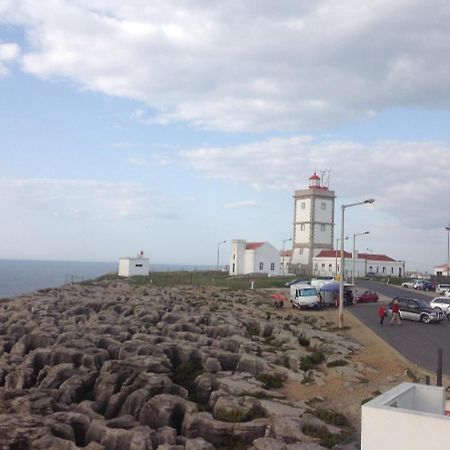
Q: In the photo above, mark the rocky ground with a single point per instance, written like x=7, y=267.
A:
x=105, y=365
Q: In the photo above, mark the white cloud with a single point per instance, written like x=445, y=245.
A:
x=243, y=204
x=245, y=65
x=9, y=52
x=409, y=180
x=90, y=199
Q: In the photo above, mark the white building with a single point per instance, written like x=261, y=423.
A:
x=409, y=416
x=326, y=263
x=131, y=267
x=253, y=257
x=441, y=270
x=313, y=222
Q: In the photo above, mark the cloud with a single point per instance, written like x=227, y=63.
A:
x=244, y=66
x=409, y=180
x=9, y=52
x=243, y=204
x=90, y=199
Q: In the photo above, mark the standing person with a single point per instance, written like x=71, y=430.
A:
x=395, y=313
x=382, y=313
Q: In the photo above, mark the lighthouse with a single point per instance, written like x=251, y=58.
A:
x=313, y=222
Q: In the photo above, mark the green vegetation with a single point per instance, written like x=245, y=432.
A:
x=185, y=375
x=310, y=361
x=326, y=439
x=271, y=381
x=236, y=415
x=337, y=363
x=202, y=278
x=331, y=417
x=303, y=341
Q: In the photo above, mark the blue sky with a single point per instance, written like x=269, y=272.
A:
x=174, y=126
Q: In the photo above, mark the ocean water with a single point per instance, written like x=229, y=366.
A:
x=22, y=276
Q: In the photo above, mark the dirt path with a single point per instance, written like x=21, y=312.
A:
x=381, y=366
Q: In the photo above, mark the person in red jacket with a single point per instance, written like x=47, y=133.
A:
x=382, y=313
x=395, y=313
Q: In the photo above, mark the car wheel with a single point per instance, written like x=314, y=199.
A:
x=425, y=318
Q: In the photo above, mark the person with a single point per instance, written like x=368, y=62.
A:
x=395, y=313
x=382, y=313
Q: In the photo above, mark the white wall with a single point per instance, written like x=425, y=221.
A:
x=300, y=258
x=322, y=237
x=416, y=423
x=267, y=254
x=323, y=215
x=303, y=215
x=131, y=267
x=237, y=257
x=302, y=236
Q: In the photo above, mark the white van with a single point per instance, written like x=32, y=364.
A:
x=304, y=296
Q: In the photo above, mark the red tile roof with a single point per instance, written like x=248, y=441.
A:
x=253, y=245
x=368, y=256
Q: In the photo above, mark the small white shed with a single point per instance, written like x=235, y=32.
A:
x=132, y=267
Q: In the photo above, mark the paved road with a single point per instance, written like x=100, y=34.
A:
x=416, y=341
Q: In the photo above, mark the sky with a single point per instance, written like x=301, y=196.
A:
x=169, y=126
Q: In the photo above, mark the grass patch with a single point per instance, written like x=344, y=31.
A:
x=331, y=417
x=271, y=381
x=311, y=361
x=185, y=375
x=304, y=342
x=326, y=439
x=337, y=363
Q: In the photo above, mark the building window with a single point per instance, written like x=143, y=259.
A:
x=300, y=251
x=371, y=268
x=384, y=269
x=323, y=205
x=392, y=270
x=302, y=205
x=272, y=266
x=234, y=256
x=138, y=265
x=377, y=269
x=323, y=266
x=322, y=227
x=234, y=268
x=302, y=227
x=261, y=266
x=330, y=267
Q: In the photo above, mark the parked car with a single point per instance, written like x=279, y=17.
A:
x=417, y=309
x=409, y=284
x=443, y=288
x=441, y=304
x=423, y=285
x=367, y=297
x=304, y=296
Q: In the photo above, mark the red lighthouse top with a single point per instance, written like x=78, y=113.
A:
x=314, y=181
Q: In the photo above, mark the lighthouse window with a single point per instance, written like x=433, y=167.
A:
x=300, y=251
x=302, y=205
x=323, y=205
x=322, y=227
x=302, y=226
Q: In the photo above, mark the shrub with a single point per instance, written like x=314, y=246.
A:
x=271, y=381
x=331, y=417
x=303, y=341
x=312, y=360
x=327, y=439
x=185, y=374
x=337, y=363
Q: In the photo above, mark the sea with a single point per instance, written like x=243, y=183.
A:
x=23, y=276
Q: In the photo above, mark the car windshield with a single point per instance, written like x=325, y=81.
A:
x=307, y=292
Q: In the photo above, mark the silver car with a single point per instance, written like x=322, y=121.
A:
x=442, y=304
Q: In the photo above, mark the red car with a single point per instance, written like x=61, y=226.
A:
x=367, y=297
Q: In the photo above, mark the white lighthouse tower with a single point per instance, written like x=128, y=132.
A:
x=313, y=222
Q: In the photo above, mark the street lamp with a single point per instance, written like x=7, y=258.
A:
x=448, y=249
x=218, y=252
x=353, y=256
x=284, y=256
x=335, y=254
x=341, y=281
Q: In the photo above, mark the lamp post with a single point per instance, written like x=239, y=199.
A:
x=218, y=252
x=341, y=281
x=448, y=249
x=335, y=255
x=353, y=255
x=284, y=256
